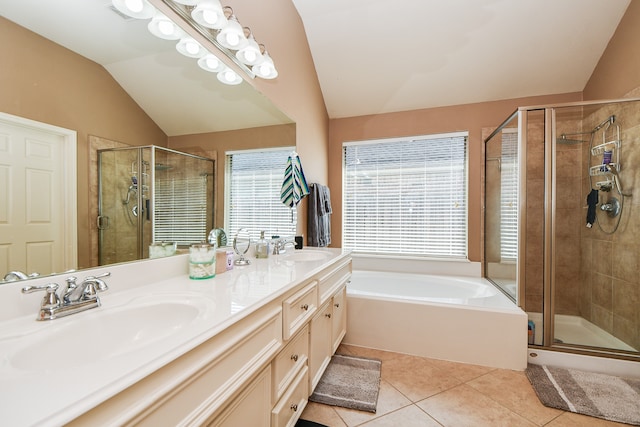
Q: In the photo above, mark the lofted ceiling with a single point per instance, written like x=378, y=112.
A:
x=379, y=56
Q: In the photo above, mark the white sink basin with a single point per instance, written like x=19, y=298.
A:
x=306, y=255
x=103, y=334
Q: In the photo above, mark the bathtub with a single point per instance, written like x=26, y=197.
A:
x=455, y=318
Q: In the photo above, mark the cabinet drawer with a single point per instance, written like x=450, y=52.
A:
x=330, y=282
x=299, y=308
x=289, y=361
x=290, y=407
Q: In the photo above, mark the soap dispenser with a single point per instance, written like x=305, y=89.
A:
x=262, y=247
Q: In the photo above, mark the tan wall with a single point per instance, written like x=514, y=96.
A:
x=470, y=117
x=618, y=71
x=296, y=91
x=43, y=81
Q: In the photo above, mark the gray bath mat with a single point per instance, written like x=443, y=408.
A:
x=598, y=395
x=351, y=382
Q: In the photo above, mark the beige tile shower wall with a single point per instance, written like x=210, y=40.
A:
x=610, y=273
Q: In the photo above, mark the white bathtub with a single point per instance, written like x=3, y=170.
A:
x=454, y=318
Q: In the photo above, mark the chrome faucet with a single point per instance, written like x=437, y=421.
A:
x=76, y=298
x=13, y=276
x=279, y=245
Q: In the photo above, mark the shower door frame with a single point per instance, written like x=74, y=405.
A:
x=549, y=236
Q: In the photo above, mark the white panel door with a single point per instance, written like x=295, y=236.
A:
x=32, y=200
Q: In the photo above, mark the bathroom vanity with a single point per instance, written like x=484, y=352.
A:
x=244, y=348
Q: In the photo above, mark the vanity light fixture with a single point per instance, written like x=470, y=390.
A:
x=164, y=28
x=139, y=9
x=217, y=24
x=189, y=47
x=209, y=14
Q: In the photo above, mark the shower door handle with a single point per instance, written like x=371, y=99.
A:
x=103, y=222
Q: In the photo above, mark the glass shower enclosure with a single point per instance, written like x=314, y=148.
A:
x=562, y=223
x=151, y=194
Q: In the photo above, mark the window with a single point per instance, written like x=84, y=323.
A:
x=509, y=197
x=180, y=210
x=253, y=182
x=406, y=196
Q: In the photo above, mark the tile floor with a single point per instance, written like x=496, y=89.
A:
x=417, y=391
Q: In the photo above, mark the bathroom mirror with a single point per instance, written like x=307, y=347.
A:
x=241, y=244
x=175, y=96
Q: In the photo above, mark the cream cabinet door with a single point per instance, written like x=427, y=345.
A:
x=339, y=317
x=320, y=344
x=252, y=407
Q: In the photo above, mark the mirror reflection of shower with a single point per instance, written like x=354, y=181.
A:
x=151, y=195
x=130, y=201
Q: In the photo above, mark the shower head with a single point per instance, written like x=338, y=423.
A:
x=569, y=141
x=163, y=167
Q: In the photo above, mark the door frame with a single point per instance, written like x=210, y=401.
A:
x=69, y=171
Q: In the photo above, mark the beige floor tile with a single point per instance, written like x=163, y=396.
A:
x=465, y=406
x=416, y=378
x=513, y=390
x=323, y=414
x=569, y=419
x=389, y=400
x=462, y=371
x=409, y=416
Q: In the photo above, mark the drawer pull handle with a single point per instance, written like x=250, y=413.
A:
x=294, y=407
x=305, y=307
x=294, y=357
x=337, y=305
x=328, y=315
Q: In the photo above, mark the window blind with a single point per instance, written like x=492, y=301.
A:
x=180, y=210
x=509, y=197
x=406, y=196
x=253, y=184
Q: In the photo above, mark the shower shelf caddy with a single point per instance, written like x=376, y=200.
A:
x=613, y=144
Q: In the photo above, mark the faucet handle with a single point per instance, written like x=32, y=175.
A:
x=51, y=299
x=95, y=284
x=71, y=282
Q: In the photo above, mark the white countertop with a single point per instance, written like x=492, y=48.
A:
x=38, y=387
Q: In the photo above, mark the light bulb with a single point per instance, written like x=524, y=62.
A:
x=134, y=5
x=250, y=55
x=229, y=76
x=165, y=27
x=212, y=62
x=209, y=17
x=233, y=39
x=192, y=48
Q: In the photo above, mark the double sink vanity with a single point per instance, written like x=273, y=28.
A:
x=245, y=348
